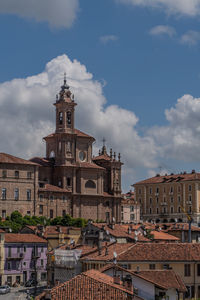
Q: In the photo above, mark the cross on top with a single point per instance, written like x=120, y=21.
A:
x=104, y=141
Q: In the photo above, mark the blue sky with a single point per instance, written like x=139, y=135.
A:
x=143, y=57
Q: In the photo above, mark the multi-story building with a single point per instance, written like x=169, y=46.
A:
x=24, y=258
x=130, y=209
x=170, y=198
x=69, y=180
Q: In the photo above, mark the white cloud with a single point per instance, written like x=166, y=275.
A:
x=190, y=38
x=59, y=13
x=161, y=30
x=27, y=115
x=180, y=139
x=108, y=38
x=180, y=7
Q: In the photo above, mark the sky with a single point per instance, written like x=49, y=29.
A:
x=133, y=66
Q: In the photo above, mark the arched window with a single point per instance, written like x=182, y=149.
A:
x=69, y=118
x=90, y=184
x=60, y=117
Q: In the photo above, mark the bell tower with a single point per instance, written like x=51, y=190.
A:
x=65, y=109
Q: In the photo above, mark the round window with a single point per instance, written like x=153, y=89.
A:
x=82, y=155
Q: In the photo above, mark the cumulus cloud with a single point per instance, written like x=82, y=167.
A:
x=190, y=38
x=108, y=38
x=180, y=139
x=181, y=7
x=59, y=13
x=161, y=30
x=27, y=115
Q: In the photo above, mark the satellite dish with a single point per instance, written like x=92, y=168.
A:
x=115, y=254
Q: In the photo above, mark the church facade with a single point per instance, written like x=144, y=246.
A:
x=69, y=180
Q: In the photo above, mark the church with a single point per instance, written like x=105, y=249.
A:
x=69, y=180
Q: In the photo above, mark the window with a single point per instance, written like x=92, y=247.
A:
x=166, y=267
x=51, y=213
x=51, y=198
x=60, y=118
x=4, y=173
x=16, y=194
x=139, y=191
x=41, y=209
x=190, y=209
x=187, y=272
x=69, y=118
x=122, y=208
x=64, y=199
x=42, y=249
x=172, y=209
x=164, y=200
x=107, y=216
x=179, y=189
x=24, y=248
x=122, y=216
x=157, y=190
x=152, y=266
x=179, y=209
x=3, y=194
x=68, y=181
x=198, y=269
x=172, y=199
x=189, y=188
x=42, y=262
x=157, y=210
x=164, y=210
x=164, y=190
x=190, y=198
x=9, y=251
x=18, y=249
x=28, y=213
x=179, y=199
x=16, y=174
x=150, y=200
x=29, y=175
x=28, y=194
x=131, y=208
x=41, y=198
x=9, y=265
x=157, y=200
x=43, y=276
x=132, y=217
x=150, y=190
x=63, y=212
x=150, y=210
x=3, y=214
x=171, y=189
x=90, y=184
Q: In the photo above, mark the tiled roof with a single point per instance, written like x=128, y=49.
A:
x=164, y=279
x=165, y=252
x=120, y=230
x=42, y=161
x=113, y=247
x=170, y=178
x=23, y=238
x=102, y=157
x=162, y=236
x=76, y=132
x=88, y=165
x=10, y=159
x=84, y=287
x=52, y=188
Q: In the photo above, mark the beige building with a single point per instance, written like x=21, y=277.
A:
x=69, y=180
x=169, y=198
x=130, y=209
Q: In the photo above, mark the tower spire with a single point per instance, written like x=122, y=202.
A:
x=65, y=86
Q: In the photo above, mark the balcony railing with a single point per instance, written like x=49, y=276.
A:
x=13, y=256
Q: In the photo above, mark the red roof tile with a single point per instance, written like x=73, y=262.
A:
x=170, y=178
x=53, y=188
x=102, y=157
x=42, y=161
x=162, y=252
x=159, y=235
x=10, y=159
x=76, y=132
x=23, y=238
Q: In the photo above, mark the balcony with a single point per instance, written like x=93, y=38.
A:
x=15, y=256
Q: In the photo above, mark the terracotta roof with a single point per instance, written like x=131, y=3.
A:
x=42, y=161
x=84, y=287
x=170, y=178
x=113, y=247
x=76, y=132
x=23, y=238
x=10, y=159
x=121, y=230
x=88, y=165
x=159, y=235
x=52, y=188
x=164, y=279
x=102, y=157
x=164, y=252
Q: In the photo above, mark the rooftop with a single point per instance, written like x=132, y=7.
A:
x=75, y=131
x=52, y=188
x=23, y=238
x=10, y=159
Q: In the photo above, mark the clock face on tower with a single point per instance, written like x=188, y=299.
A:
x=82, y=156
